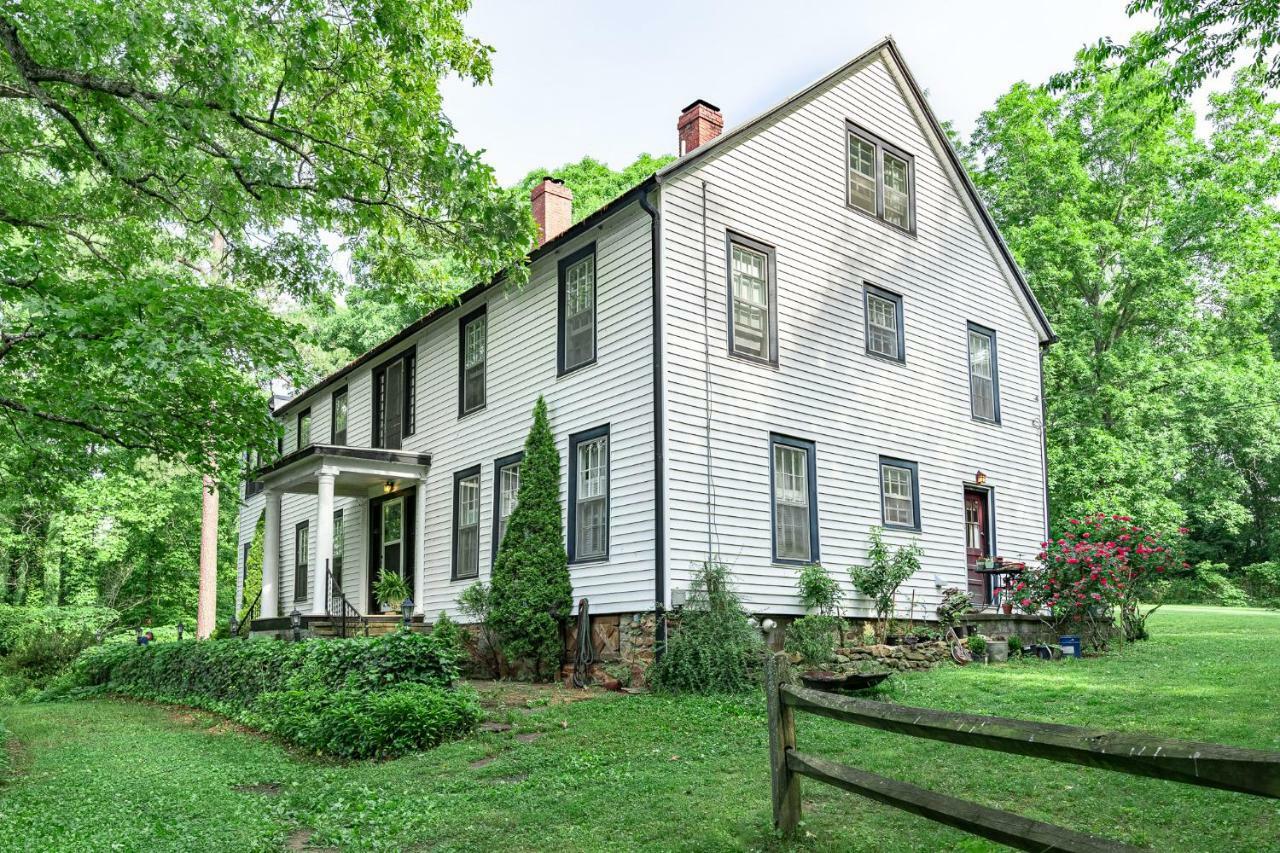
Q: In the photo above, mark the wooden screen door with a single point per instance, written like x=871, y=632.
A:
x=977, y=543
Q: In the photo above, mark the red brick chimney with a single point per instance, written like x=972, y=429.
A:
x=552, y=208
x=699, y=123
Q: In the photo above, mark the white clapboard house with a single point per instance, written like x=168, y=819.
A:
x=803, y=328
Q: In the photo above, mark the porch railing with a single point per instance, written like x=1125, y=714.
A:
x=345, y=618
x=240, y=627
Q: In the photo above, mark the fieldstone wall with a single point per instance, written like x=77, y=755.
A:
x=877, y=658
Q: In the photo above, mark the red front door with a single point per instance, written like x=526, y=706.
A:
x=976, y=543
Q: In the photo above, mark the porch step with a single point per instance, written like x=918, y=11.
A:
x=378, y=625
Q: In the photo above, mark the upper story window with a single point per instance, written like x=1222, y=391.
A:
x=753, y=300
x=984, y=379
x=304, y=429
x=884, y=323
x=577, y=326
x=466, y=523
x=394, y=393
x=899, y=494
x=589, y=495
x=506, y=489
x=793, y=475
x=338, y=418
x=473, y=344
x=881, y=179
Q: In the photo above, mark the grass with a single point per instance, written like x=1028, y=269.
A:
x=662, y=774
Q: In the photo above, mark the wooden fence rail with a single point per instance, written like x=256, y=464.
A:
x=1249, y=771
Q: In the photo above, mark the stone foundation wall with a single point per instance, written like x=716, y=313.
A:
x=878, y=658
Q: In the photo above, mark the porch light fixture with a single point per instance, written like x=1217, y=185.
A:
x=388, y=487
x=234, y=624
x=406, y=610
x=295, y=620
x=180, y=627
x=980, y=478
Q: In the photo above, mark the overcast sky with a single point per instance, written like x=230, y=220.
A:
x=608, y=78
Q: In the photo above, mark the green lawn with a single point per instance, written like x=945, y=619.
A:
x=646, y=772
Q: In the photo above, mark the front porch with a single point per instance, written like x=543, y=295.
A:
x=377, y=480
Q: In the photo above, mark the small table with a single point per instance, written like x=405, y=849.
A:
x=1009, y=571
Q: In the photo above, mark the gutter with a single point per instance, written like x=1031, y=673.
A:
x=659, y=436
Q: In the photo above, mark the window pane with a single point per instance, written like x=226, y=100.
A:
x=897, y=193
x=591, y=522
x=899, y=497
x=392, y=520
x=340, y=419
x=475, y=343
x=509, y=491
x=862, y=174
x=467, y=535
x=579, y=313
x=339, y=548
x=882, y=326
x=981, y=376
x=791, y=502
x=304, y=430
x=750, y=276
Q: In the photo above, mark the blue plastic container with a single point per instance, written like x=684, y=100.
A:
x=1070, y=645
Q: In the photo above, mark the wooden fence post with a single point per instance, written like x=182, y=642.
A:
x=782, y=737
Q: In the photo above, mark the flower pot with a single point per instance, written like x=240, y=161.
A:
x=997, y=651
x=1007, y=607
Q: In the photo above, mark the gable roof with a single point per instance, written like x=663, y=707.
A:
x=888, y=45
x=684, y=162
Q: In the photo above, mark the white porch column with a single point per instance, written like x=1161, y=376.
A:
x=271, y=557
x=324, y=541
x=420, y=547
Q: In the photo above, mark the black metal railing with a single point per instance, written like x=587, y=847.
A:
x=240, y=624
x=345, y=618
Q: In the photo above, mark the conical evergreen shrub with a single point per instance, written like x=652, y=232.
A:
x=531, y=592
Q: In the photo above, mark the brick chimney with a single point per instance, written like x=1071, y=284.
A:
x=552, y=208
x=699, y=123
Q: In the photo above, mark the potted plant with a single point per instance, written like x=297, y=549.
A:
x=977, y=646
x=391, y=591
x=1015, y=646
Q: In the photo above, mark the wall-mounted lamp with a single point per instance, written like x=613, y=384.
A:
x=388, y=487
x=980, y=478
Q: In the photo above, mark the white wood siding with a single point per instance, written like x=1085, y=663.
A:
x=784, y=184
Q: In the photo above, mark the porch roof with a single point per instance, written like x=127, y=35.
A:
x=357, y=471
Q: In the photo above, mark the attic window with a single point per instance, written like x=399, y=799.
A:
x=881, y=179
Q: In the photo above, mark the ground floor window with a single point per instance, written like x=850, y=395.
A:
x=589, y=495
x=466, y=523
x=794, y=485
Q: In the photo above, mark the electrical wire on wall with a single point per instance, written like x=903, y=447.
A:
x=713, y=534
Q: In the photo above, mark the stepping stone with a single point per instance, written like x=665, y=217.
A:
x=483, y=762
x=495, y=727
x=529, y=737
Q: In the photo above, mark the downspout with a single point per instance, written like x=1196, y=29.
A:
x=1044, y=436
x=659, y=436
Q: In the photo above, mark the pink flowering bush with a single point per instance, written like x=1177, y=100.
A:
x=1101, y=566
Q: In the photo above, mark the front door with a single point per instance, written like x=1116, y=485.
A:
x=391, y=541
x=977, y=543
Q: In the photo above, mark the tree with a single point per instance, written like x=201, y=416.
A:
x=531, y=594
x=134, y=136
x=593, y=183
x=884, y=573
x=1196, y=39
x=1154, y=251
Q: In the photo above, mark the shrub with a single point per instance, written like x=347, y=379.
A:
x=819, y=591
x=530, y=593
x=1015, y=645
x=357, y=724
x=955, y=603
x=21, y=623
x=40, y=656
x=977, y=646
x=1262, y=583
x=450, y=635
x=885, y=572
x=713, y=649
x=475, y=603
x=813, y=638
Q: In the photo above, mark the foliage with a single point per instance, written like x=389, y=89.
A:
x=450, y=635
x=819, y=592
x=19, y=624
x=1203, y=583
x=475, y=603
x=593, y=183
x=713, y=649
x=530, y=594
x=1015, y=645
x=1099, y=565
x=1198, y=39
x=884, y=573
x=1154, y=246
x=977, y=646
x=353, y=724
x=813, y=637
x=955, y=603
x=137, y=137
x=391, y=589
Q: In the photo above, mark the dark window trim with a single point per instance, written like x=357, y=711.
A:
x=297, y=429
x=914, y=468
x=811, y=451
x=338, y=564
x=302, y=530
x=498, y=465
x=868, y=290
x=995, y=371
x=574, y=440
x=458, y=477
x=881, y=146
x=730, y=238
x=563, y=266
x=333, y=415
x=463, y=321
x=408, y=418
